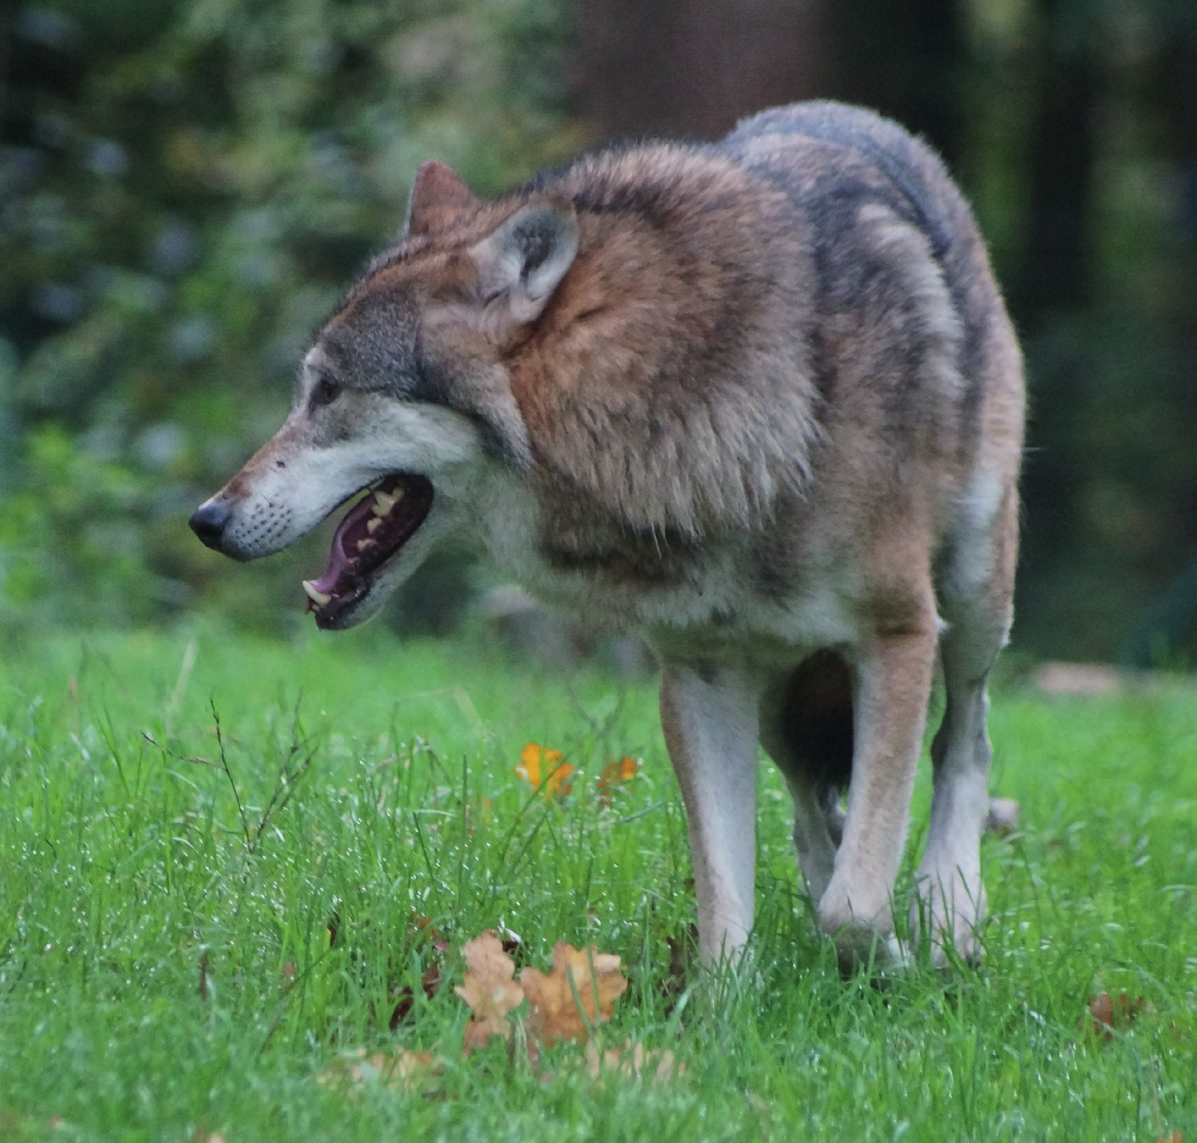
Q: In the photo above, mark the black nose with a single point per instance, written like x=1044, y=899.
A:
x=209, y=523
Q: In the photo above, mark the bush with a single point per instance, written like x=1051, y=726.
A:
x=187, y=190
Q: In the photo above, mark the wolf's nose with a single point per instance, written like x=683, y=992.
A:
x=209, y=522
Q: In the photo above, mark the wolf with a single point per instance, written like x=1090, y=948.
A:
x=758, y=400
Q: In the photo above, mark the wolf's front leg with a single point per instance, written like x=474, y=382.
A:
x=893, y=686
x=709, y=716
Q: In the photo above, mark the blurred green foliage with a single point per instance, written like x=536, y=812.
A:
x=185, y=188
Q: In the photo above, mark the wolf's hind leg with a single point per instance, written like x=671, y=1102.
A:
x=893, y=683
x=806, y=728
x=951, y=896
x=710, y=721
x=951, y=901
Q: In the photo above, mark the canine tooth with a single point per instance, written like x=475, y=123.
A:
x=384, y=502
x=362, y=545
x=373, y=524
x=318, y=597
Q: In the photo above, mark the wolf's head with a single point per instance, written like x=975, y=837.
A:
x=403, y=397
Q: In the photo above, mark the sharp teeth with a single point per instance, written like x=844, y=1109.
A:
x=362, y=545
x=384, y=502
x=318, y=597
x=373, y=524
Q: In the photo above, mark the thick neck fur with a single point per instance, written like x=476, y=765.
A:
x=641, y=385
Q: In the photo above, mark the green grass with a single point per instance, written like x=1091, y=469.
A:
x=167, y=892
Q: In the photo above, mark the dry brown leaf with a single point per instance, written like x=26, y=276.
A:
x=405, y=998
x=422, y=933
x=1108, y=1013
x=399, y=1070
x=577, y=994
x=633, y=1061
x=490, y=989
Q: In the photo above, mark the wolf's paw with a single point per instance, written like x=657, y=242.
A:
x=948, y=915
x=864, y=942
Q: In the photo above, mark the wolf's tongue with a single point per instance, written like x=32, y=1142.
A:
x=372, y=531
x=338, y=559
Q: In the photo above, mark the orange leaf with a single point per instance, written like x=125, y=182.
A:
x=616, y=774
x=579, y=993
x=544, y=770
x=490, y=989
x=1109, y=1013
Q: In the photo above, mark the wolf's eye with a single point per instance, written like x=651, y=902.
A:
x=324, y=392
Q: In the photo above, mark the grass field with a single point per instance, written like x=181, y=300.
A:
x=224, y=862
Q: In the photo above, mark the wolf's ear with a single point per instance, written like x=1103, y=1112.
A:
x=437, y=199
x=524, y=260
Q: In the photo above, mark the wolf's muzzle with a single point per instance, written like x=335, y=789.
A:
x=209, y=523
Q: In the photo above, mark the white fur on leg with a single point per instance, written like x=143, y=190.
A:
x=710, y=723
x=816, y=835
x=952, y=897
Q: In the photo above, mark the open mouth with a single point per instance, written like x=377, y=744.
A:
x=373, y=531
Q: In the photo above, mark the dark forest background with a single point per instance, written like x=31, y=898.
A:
x=187, y=185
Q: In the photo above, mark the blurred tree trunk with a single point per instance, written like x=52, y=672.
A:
x=1053, y=283
x=696, y=66
x=907, y=61
x=1170, y=624
x=1175, y=93
x=1056, y=275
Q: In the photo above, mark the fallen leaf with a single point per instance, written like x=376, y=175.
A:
x=490, y=989
x=577, y=994
x=430, y=984
x=399, y=1070
x=614, y=775
x=633, y=1061
x=424, y=932
x=1109, y=1014
x=1175, y=1137
x=545, y=771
